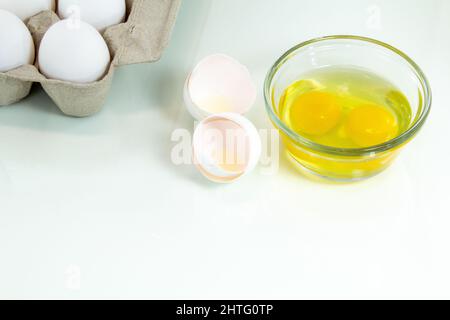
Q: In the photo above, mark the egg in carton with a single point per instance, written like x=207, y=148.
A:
x=142, y=38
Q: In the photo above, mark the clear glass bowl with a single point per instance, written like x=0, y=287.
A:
x=345, y=164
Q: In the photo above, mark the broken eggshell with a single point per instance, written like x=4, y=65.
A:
x=219, y=84
x=226, y=146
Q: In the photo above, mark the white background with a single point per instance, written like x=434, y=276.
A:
x=94, y=208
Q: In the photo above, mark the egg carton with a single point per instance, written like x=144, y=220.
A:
x=142, y=38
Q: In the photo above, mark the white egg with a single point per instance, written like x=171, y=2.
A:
x=25, y=9
x=101, y=14
x=73, y=51
x=226, y=146
x=16, y=43
x=219, y=83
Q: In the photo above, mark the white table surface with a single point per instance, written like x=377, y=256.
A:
x=94, y=208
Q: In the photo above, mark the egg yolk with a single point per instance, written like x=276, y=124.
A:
x=370, y=125
x=315, y=113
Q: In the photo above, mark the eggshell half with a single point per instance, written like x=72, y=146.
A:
x=16, y=43
x=25, y=9
x=101, y=14
x=72, y=50
x=218, y=84
x=226, y=146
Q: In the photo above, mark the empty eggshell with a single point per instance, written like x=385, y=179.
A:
x=25, y=9
x=16, y=43
x=101, y=14
x=72, y=50
x=217, y=84
x=226, y=146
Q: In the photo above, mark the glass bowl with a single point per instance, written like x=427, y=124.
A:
x=347, y=164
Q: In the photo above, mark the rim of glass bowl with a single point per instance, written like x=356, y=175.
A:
x=405, y=136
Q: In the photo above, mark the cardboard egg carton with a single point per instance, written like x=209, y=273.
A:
x=142, y=38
